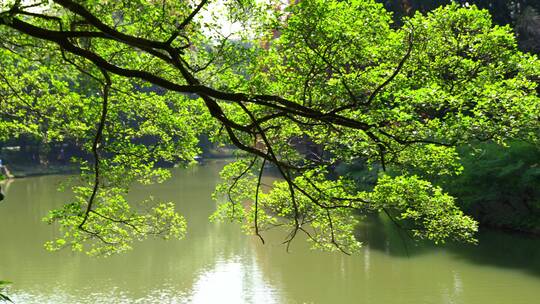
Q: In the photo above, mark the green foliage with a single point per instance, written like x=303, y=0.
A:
x=136, y=82
x=463, y=80
x=113, y=224
x=499, y=185
x=326, y=210
x=52, y=102
x=432, y=213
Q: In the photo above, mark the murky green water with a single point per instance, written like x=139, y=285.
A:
x=218, y=264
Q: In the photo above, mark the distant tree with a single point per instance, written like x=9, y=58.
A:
x=528, y=29
x=335, y=72
x=499, y=185
x=523, y=15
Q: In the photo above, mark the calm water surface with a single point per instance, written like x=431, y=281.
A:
x=216, y=263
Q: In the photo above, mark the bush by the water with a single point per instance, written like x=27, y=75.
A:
x=500, y=186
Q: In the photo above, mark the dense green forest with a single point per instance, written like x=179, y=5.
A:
x=431, y=111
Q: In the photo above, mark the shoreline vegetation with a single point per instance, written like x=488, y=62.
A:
x=498, y=185
x=19, y=168
x=23, y=171
x=473, y=204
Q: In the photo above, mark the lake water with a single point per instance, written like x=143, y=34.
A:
x=216, y=263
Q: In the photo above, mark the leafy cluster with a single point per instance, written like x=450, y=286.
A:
x=303, y=88
x=499, y=185
x=443, y=79
x=112, y=224
x=45, y=99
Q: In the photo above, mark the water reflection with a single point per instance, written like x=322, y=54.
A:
x=503, y=250
x=217, y=264
x=233, y=281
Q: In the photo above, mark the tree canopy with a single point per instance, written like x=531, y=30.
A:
x=136, y=82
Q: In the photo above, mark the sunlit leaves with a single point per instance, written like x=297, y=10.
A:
x=327, y=210
x=431, y=213
x=113, y=224
x=320, y=83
